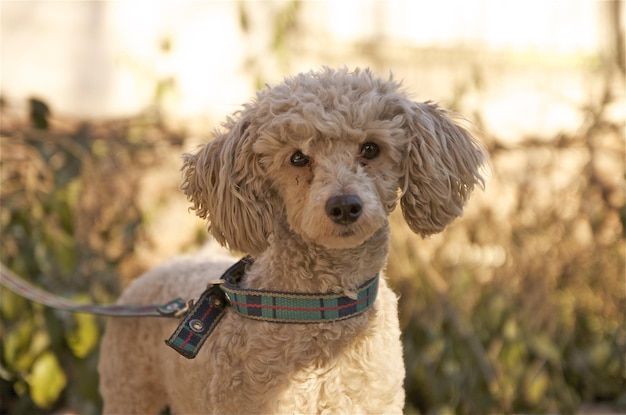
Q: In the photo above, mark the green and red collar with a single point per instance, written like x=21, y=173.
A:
x=270, y=306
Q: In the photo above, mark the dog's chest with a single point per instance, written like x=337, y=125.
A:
x=257, y=367
x=356, y=381
x=324, y=389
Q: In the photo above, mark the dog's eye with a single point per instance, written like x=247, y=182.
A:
x=299, y=159
x=370, y=151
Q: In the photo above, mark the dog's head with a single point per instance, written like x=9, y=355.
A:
x=330, y=154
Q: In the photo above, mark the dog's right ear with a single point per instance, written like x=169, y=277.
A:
x=226, y=185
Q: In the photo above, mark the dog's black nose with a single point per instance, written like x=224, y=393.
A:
x=344, y=209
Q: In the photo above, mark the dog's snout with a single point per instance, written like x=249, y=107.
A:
x=344, y=209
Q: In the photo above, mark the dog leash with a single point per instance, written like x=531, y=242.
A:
x=200, y=319
x=21, y=287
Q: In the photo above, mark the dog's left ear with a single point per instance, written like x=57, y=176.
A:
x=442, y=166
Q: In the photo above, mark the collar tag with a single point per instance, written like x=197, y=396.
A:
x=199, y=322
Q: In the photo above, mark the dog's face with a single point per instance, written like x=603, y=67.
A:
x=331, y=154
x=338, y=183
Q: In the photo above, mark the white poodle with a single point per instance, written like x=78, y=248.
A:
x=302, y=179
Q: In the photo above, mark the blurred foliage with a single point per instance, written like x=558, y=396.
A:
x=70, y=223
x=274, y=55
x=519, y=307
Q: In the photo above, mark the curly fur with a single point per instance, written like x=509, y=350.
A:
x=257, y=202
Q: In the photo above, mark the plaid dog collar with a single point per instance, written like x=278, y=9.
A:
x=270, y=306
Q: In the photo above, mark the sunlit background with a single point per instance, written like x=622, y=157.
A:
x=106, y=59
x=517, y=307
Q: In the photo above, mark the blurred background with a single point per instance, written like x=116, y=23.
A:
x=518, y=307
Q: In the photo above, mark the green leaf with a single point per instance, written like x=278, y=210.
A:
x=16, y=345
x=535, y=388
x=84, y=338
x=47, y=380
x=545, y=348
x=12, y=305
